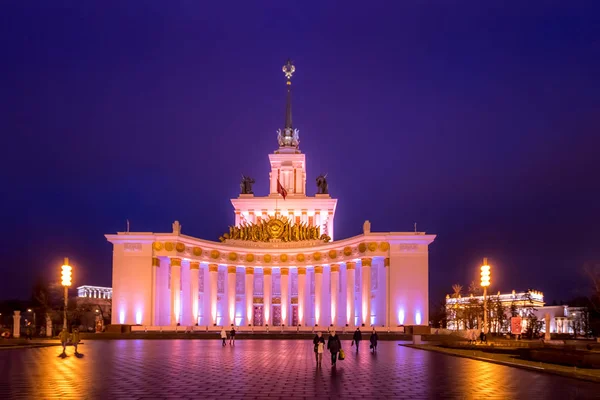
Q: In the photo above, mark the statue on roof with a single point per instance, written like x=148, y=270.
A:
x=246, y=185
x=322, y=187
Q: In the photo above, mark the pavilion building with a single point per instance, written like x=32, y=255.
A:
x=277, y=265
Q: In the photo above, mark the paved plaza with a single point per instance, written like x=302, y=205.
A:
x=260, y=369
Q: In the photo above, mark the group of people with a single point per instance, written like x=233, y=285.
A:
x=231, y=335
x=66, y=338
x=334, y=345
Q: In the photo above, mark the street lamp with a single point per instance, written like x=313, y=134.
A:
x=66, y=282
x=29, y=310
x=485, y=282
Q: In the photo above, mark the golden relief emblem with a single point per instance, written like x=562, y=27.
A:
x=275, y=228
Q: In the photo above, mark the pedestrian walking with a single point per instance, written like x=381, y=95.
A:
x=63, y=336
x=223, y=335
x=75, y=338
x=334, y=345
x=232, y=335
x=356, y=338
x=28, y=333
x=373, y=339
x=319, y=343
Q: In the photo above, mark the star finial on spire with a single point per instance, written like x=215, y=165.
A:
x=288, y=70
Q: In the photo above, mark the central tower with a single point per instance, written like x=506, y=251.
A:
x=288, y=164
x=288, y=167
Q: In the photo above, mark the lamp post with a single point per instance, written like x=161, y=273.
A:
x=29, y=310
x=66, y=282
x=485, y=282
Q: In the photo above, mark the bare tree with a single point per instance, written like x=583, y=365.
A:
x=457, y=292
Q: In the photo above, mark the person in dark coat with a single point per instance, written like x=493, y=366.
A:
x=232, y=335
x=334, y=345
x=373, y=339
x=357, y=337
x=319, y=343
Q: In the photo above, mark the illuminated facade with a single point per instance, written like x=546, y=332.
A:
x=277, y=265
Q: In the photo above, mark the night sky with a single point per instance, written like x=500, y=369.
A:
x=480, y=123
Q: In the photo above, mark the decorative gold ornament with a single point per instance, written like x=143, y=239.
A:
x=180, y=247
x=175, y=262
x=231, y=269
x=214, y=254
x=300, y=258
x=386, y=262
x=157, y=246
x=317, y=256
x=169, y=246
x=283, y=258
x=155, y=262
x=384, y=246
x=232, y=256
x=249, y=257
x=276, y=300
x=250, y=270
x=267, y=258
x=350, y=265
x=194, y=265
x=285, y=271
x=213, y=268
x=366, y=262
x=347, y=251
x=362, y=247
x=267, y=271
x=335, y=268
x=257, y=300
x=372, y=246
x=197, y=251
x=294, y=300
x=332, y=254
x=318, y=269
x=301, y=270
x=275, y=228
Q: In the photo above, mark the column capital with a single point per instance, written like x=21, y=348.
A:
x=335, y=267
x=231, y=269
x=301, y=270
x=155, y=262
x=213, y=268
x=366, y=262
x=249, y=270
x=386, y=262
x=267, y=270
x=350, y=265
x=318, y=269
x=285, y=271
x=194, y=265
x=175, y=262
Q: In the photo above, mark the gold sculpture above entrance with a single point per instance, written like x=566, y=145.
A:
x=273, y=230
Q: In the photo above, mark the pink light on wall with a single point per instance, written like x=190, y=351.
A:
x=364, y=313
x=177, y=308
x=213, y=310
x=232, y=312
x=122, y=316
x=138, y=317
x=401, y=317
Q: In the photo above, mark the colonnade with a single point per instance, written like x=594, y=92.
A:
x=289, y=301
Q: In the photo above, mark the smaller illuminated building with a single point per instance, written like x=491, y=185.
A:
x=527, y=304
x=96, y=292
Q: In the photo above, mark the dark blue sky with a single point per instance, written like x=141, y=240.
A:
x=480, y=123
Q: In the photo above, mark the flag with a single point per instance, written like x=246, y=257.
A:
x=281, y=190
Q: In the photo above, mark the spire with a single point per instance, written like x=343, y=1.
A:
x=288, y=137
x=288, y=70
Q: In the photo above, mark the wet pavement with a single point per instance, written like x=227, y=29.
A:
x=257, y=369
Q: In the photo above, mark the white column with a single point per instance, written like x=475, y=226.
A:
x=285, y=297
x=386, y=264
x=154, y=309
x=249, y=295
x=17, y=324
x=304, y=217
x=213, y=270
x=335, y=282
x=318, y=294
x=302, y=296
x=267, y=290
x=175, y=290
x=330, y=225
x=231, y=294
x=350, y=271
x=194, y=290
x=299, y=187
x=237, y=218
x=318, y=218
x=366, y=291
